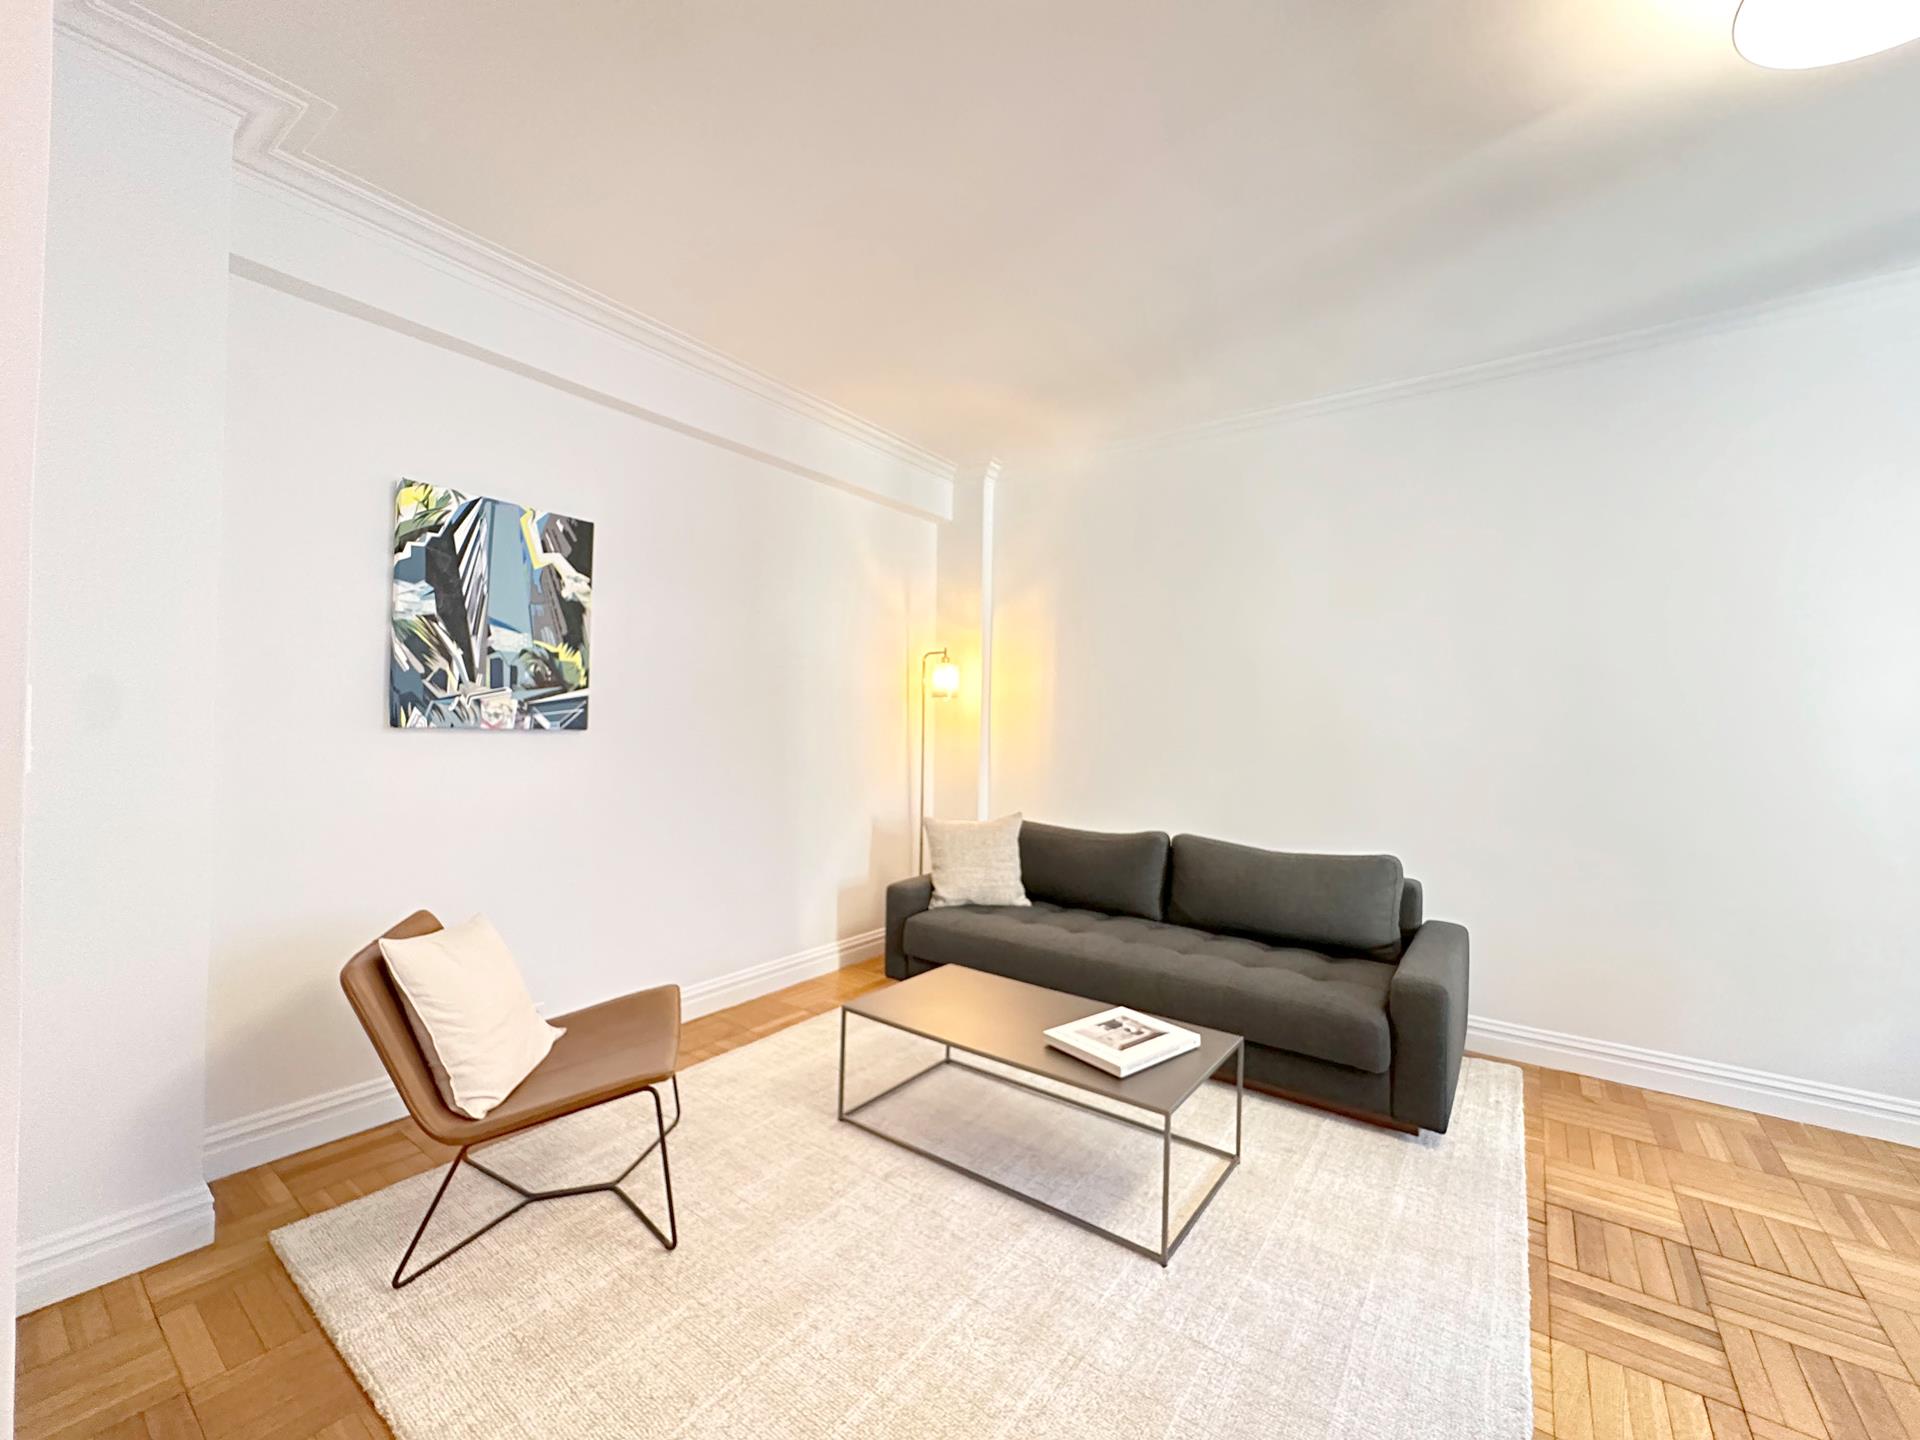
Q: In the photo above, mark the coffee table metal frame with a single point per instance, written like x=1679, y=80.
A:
x=1169, y=1241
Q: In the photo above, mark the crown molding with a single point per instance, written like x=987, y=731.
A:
x=277, y=123
x=1863, y=289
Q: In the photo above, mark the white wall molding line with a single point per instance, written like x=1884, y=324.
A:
x=718, y=993
x=283, y=1130
x=925, y=502
x=1860, y=1112
x=278, y=123
x=79, y=1258
x=288, y=1129
x=1865, y=289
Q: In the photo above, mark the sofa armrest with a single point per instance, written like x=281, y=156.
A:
x=905, y=899
x=1427, y=1008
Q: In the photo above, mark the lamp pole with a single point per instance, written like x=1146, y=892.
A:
x=920, y=816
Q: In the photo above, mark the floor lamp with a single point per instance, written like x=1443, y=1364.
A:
x=943, y=683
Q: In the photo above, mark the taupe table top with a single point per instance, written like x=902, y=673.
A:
x=1001, y=1019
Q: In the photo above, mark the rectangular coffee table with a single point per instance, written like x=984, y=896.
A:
x=994, y=1018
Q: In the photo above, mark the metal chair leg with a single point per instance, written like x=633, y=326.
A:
x=669, y=1239
x=398, y=1271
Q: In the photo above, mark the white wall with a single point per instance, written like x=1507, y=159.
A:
x=126, y=523
x=26, y=59
x=741, y=796
x=218, y=814
x=954, y=723
x=1620, y=657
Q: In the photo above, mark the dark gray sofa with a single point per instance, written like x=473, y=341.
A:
x=1349, y=997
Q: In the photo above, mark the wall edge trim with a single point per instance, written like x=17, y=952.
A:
x=1731, y=319
x=97, y=1252
x=277, y=122
x=282, y=1130
x=1840, y=1107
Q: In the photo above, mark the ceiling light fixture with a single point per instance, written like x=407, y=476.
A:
x=1804, y=34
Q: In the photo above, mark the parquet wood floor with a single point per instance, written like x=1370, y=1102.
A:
x=1718, y=1274
x=1698, y=1273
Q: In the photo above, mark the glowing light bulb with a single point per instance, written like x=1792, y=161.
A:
x=1804, y=34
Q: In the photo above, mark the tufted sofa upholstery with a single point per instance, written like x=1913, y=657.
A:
x=1347, y=995
x=1275, y=995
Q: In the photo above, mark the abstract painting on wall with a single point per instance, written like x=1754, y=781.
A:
x=490, y=609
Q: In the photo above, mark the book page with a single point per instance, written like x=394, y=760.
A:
x=1117, y=1032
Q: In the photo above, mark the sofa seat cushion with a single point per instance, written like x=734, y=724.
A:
x=1275, y=995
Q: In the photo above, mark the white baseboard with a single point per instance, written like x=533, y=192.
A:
x=237, y=1145
x=268, y=1135
x=1861, y=1112
x=756, y=980
x=83, y=1256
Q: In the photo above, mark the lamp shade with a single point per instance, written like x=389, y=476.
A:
x=1804, y=34
x=944, y=683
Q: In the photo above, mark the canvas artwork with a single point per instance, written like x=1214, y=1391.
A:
x=490, y=608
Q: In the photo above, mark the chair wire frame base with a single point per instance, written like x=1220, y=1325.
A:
x=669, y=1238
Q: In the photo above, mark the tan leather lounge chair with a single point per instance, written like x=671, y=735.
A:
x=610, y=1050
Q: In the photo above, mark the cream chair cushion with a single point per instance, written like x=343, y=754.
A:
x=461, y=987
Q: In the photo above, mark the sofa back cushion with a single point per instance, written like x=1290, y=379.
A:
x=1339, y=902
x=1412, y=908
x=1095, y=870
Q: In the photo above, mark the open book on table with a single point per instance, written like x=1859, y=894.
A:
x=1122, y=1042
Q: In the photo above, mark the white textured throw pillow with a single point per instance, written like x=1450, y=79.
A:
x=976, y=862
x=462, y=985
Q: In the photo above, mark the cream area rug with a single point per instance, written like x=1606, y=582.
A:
x=1346, y=1281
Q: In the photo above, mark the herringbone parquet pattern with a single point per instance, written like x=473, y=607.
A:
x=1699, y=1273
